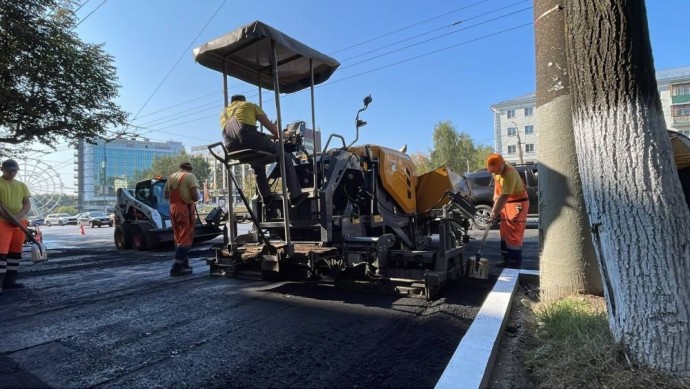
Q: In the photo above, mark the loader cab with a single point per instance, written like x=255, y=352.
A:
x=150, y=192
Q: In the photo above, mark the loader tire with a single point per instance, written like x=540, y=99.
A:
x=123, y=237
x=139, y=238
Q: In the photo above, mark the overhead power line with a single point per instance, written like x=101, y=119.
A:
x=347, y=48
x=437, y=37
x=184, y=52
x=438, y=29
x=90, y=13
x=82, y=4
x=328, y=83
x=409, y=26
x=358, y=44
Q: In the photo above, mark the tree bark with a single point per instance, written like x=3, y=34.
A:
x=640, y=222
x=568, y=264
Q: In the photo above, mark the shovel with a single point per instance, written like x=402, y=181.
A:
x=38, y=249
x=480, y=267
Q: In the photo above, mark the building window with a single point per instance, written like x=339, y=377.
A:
x=512, y=131
x=680, y=90
x=529, y=111
x=529, y=147
x=681, y=110
x=529, y=130
x=686, y=133
x=511, y=113
x=511, y=149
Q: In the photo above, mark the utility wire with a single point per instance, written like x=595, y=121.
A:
x=328, y=83
x=184, y=52
x=89, y=14
x=429, y=53
x=358, y=44
x=435, y=30
x=408, y=27
x=167, y=120
x=82, y=4
x=437, y=37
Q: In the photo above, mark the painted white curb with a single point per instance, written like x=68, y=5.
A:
x=471, y=364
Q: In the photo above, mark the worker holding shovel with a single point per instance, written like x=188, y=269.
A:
x=14, y=206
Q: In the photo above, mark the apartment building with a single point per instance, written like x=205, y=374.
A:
x=515, y=132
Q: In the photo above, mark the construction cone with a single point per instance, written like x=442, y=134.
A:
x=81, y=229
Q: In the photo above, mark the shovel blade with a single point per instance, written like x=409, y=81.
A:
x=39, y=253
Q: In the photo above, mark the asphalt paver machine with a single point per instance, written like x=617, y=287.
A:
x=370, y=221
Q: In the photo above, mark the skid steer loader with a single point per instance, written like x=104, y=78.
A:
x=370, y=221
x=142, y=218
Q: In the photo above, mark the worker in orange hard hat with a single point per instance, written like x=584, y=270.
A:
x=510, y=206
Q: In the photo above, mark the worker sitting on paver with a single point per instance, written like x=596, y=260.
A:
x=238, y=122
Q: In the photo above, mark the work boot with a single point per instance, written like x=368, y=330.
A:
x=10, y=281
x=185, y=264
x=179, y=270
x=514, y=259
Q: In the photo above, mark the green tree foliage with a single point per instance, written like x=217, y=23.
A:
x=456, y=150
x=66, y=209
x=422, y=161
x=481, y=153
x=54, y=86
x=165, y=165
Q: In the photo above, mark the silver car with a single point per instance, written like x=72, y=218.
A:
x=60, y=219
x=95, y=219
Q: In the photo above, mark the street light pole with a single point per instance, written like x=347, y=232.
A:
x=519, y=142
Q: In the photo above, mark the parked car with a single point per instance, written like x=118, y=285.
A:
x=95, y=219
x=60, y=219
x=481, y=184
x=36, y=221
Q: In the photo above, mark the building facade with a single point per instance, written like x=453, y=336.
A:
x=104, y=167
x=515, y=132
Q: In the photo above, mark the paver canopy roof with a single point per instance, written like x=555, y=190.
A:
x=247, y=53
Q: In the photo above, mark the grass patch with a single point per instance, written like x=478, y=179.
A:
x=571, y=347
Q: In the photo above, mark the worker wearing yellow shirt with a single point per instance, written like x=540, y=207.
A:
x=238, y=122
x=510, y=206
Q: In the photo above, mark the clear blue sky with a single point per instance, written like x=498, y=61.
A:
x=410, y=95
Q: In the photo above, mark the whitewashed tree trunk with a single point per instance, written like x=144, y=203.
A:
x=567, y=263
x=640, y=223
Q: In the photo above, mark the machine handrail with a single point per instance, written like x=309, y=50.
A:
x=216, y=156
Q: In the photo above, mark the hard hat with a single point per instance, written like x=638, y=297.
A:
x=494, y=163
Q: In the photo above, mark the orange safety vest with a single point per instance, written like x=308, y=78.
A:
x=513, y=216
x=182, y=216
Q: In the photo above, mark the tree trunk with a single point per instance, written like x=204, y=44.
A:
x=567, y=264
x=640, y=222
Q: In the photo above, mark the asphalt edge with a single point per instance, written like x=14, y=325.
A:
x=472, y=362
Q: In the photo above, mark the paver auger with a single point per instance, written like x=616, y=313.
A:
x=369, y=221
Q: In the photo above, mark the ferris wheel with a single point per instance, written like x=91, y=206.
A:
x=44, y=184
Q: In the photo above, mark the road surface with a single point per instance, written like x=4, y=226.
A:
x=95, y=316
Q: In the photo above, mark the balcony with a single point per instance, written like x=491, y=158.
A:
x=680, y=99
x=681, y=120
